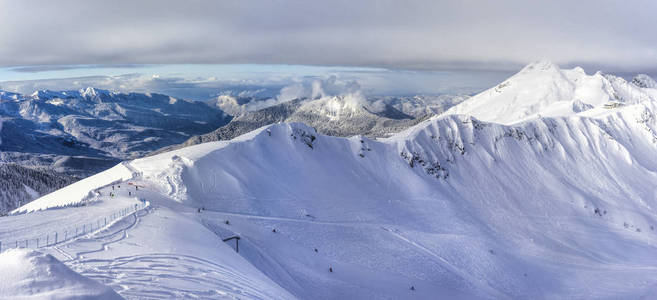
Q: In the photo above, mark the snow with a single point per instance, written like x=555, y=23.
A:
x=543, y=89
x=33, y=275
x=4, y=95
x=78, y=192
x=560, y=205
x=34, y=194
x=644, y=81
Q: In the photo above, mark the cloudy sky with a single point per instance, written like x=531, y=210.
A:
x=428, y=35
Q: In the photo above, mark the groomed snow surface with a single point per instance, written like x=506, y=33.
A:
x=554, y=205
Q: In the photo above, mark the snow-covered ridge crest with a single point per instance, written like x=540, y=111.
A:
x=543, y=89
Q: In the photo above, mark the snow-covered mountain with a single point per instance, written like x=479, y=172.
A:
x=417, y=106
x=86, y=131
x=644, y=81
x=556, y=206
x=343, y=115
x=542, y=89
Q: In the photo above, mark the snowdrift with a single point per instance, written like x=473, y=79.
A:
x=33, y=275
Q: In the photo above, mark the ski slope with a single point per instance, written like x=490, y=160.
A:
x=455, y=207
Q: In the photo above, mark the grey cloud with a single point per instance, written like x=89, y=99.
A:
x=431, y=34
x=42, y=68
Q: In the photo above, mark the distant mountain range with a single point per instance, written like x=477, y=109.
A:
x=342, y=115
x=79, y=133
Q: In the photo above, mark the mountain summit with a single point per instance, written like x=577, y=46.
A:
x=542, y=89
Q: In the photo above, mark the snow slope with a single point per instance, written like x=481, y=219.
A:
x=33, y=275
x=543, y=89
x=454, y=207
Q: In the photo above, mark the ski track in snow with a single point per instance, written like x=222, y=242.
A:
x=492, y=291
x=153, y=275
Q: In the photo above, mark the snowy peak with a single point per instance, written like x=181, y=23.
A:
x=540, y=66
x=92, y=92
x=644, y=81
x=543, y=89
x=48, y=94
x=4, y=95
x=87, y=93
x=337, y=107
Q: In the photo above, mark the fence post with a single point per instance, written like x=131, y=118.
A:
x=55, y=237
x=47, y=239
x=76, y=231
x=65, y=235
